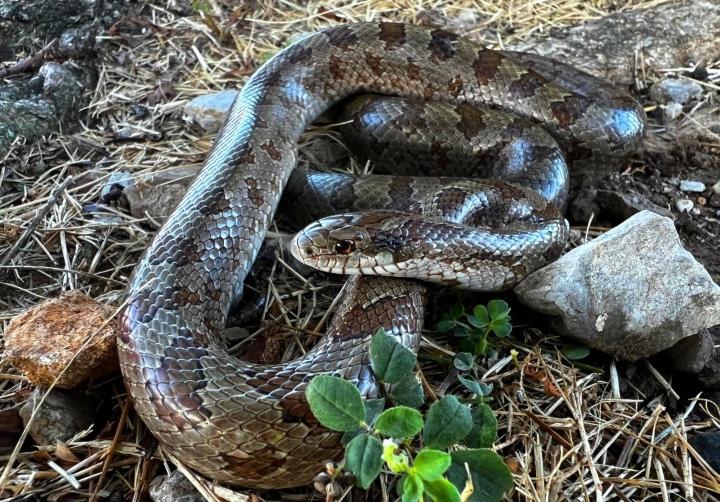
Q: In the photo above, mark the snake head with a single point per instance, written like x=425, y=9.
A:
x=345, y=244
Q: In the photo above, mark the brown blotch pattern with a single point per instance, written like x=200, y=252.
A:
x=255, y=195
x=451, y=199
x=553, y=251
x=563, y=113
x=455, y=86
x=247, y=156
x=298, y=53
x=486, y=65
x=412, y=71
x=296, y=409
x=471, y=120
x=337, y=67
x=375, y=63
x=440, y=154
x=270, y=149
x=526, y=85
x=341, y=36
x=393, y=35
x=215, y=201
x=401, y=192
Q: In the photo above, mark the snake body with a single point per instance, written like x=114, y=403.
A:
x=247, y=424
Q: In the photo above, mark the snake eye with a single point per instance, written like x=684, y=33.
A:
x=345, y=246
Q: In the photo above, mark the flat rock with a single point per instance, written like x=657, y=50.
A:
x=692, y=186
x=156, y=203
x=50, y=336
x=62, y=415
x=632, y=292
x=667, y=36
x=209, y=111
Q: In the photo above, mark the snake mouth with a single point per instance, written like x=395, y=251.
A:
x=304, y=249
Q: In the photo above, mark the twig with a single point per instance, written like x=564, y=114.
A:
x=36, y=221
x=111, y=449
x=29, y=63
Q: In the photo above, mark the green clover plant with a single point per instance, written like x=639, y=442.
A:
x=410, y=445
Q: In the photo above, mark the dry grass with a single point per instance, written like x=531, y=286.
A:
x=568, y=434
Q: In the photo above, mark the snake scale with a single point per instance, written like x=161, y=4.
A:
x=250, y=425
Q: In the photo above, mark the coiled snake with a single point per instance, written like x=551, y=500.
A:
x=250, y=425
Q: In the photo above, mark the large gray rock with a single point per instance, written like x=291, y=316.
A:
x=632, y=292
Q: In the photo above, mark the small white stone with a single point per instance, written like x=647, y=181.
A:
x=673, y=110
x=684, y=205
x=692, y=186
x=716, y=187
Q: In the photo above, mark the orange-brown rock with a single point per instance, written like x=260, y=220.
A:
x=43, y=341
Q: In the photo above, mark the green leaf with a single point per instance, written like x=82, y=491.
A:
x=373, y=408
x=412, y=488
x=408, y=392
x=390, y=360
x=477, y=321
x=575, y=351
x=350, y=435
x=490, y=476
x=431, y=464
x=461, y=331
x=501, y=327
x=441, y=490
x=445, y=325
x=484, y=431
x=468, y=345
x=456, y=312
x=448, y=421
x=464, y=361
x=498, y=309
x=336, y=403
x=475, y=387
x=363, y=457
x=481, y=313
x=399, y=422
x=481, y=348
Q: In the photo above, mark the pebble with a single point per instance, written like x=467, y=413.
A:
x=684, y=205
x=692, y=186
x=675, y=90
x=716, y=187
x=673, y=110
x=209, y=111
x=715, y=200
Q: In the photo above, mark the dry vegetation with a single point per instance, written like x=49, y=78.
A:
x=568, y=434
